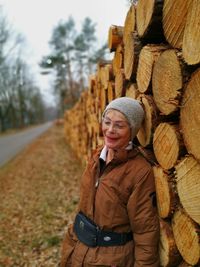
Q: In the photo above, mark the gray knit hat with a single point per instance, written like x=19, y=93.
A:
x=131, y=109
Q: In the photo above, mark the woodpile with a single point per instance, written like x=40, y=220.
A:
x=156, y=59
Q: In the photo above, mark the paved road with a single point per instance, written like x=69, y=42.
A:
x=12, y=144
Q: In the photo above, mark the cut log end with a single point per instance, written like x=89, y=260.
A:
x=129, y=24
x=147, y=57
x=115, y=37
x=190, y=116
x=169, y=254
x=167, y=145
x=150, y=122
x=149, y=21
x=186, y=237
x=191, y=38
x=132, y=48
x=188, y=186
x=166, y=200
x=174, y=20
x=167, y=82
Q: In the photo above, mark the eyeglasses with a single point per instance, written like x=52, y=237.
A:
x=117, y=126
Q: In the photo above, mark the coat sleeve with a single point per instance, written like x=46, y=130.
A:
x=68, y=246
x=144, y=220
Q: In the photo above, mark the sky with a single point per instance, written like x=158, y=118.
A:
x=35, y=19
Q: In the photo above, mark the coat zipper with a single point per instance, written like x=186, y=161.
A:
x=100, y=177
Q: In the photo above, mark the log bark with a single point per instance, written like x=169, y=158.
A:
x=147, y=57
x=132, y=48
x=187, y=173
x=150, y=122
x=115, y=37
x=190, y=116
x=168, y=145
x=165, y=194
x=129, y=24
x=167, y=82
x=191, y=38
x=174, y=20
x=169, y=254
x=149, y=21
x=186, y=235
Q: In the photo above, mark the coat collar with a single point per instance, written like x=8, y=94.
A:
x=120, y=155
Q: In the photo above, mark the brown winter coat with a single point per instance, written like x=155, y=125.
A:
x=122, y=202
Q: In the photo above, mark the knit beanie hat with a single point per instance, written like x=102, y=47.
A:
x=131, y=109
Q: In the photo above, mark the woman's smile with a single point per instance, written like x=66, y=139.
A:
x=111, y=139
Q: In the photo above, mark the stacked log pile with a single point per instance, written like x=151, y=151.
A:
x=156, y=59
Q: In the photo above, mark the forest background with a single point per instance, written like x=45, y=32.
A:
x=73, y=55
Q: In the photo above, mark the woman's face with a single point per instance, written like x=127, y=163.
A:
x=116, y=130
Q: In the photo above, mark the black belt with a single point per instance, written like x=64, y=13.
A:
x=91, y=235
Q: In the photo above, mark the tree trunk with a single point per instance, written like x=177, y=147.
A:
x=186, y=234
x=166, y=197
x=190, y=116
x=188, y=186
x=167, y=145
x=149, y=21
x=174, y=20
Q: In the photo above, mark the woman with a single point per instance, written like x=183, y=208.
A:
x=117, y=223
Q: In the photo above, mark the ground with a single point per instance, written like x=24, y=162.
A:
x=38, y=199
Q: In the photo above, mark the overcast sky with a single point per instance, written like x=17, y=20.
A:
x=35, y=19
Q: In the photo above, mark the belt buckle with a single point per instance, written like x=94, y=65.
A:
x=107, y=238
x=81, y=225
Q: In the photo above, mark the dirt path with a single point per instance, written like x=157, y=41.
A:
x=38, y=197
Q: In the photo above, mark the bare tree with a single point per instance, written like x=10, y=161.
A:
x=18, y=94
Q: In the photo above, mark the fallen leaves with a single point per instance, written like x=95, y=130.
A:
x=39, y=192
